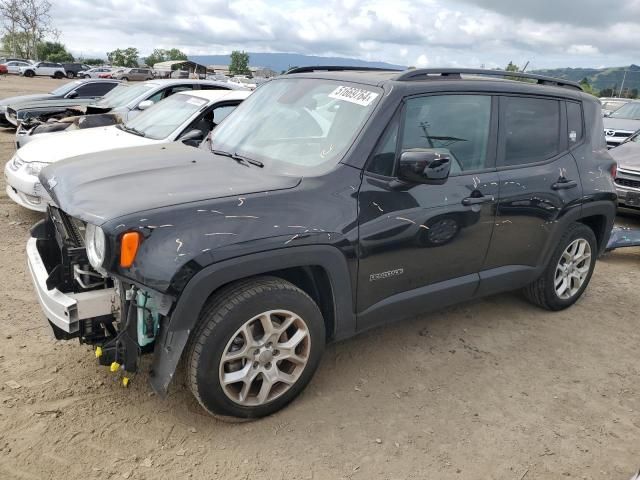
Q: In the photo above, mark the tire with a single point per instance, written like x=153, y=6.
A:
x=58, y=75
x=227, y=321
x=543, y=292
x=29, y=73
x=70, y=75
x=124, y=79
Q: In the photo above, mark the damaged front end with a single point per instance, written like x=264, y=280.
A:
x=119, y=319
x=73, y=118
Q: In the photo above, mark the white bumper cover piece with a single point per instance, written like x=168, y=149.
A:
x=65, y=310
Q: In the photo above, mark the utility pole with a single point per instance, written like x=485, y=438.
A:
x=622, y=86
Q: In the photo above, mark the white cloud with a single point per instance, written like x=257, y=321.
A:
x=582, y=50
x=422, y=61
x=454, y=33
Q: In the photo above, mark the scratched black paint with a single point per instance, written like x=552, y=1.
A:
x=197, y=210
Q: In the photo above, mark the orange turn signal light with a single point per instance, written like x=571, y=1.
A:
x=129, y=248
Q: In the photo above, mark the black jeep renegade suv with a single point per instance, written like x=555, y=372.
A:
x=331, y=201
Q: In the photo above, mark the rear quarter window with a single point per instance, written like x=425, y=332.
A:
x=575, y=123
x=530, y=130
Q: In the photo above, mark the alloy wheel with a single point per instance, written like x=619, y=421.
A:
x=265, y=357
x=572, y=269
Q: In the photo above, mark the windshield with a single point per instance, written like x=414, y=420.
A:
x=123, y=94
x=66, y=88
x=163, y=118
x=297, y=126
x=630, y=111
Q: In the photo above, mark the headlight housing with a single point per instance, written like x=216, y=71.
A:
x=15, y=163
x=96, y=244
x=34, y=168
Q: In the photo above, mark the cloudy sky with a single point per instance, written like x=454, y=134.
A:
x=548, y=33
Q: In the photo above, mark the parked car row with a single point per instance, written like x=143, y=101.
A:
x=330, y=201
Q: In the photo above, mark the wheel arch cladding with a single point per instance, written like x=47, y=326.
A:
x=311, y=268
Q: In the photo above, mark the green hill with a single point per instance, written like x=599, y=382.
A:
x=600, y=79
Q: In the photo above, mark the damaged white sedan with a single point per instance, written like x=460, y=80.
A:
x=187, y=117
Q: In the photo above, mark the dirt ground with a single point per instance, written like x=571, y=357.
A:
x=495, y=389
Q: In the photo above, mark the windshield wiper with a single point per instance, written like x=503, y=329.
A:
x=238, y=158
x=135, y=131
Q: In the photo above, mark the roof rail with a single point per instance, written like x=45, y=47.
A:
x=338, y=68
x=430, y=73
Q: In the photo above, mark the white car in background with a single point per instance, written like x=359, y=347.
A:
x=44, y=69
x=187, y=117
x=13, y=66
x=94, y=72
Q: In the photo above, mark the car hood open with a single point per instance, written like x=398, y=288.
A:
x=11, y=101
x=104, y=186
x=53, y=147
x=627, y=155
x=51, y=103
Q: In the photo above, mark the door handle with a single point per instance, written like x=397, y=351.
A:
x=564, y=185
x=467, y=202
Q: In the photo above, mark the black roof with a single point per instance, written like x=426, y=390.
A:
x=447, y=78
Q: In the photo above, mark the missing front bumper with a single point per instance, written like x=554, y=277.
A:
x=66, y=310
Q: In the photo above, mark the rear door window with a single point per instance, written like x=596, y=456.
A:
x=530, y=130
x=575, y=129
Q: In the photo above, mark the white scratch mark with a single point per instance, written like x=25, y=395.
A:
x=377, y=206
x=292, y=239
x=405, y=219
x=179, y=242
x=241, y=201
x=240, y=216
x=219, y=233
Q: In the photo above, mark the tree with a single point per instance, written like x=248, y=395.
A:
x=92, y=61
x=239, y=63
x=53, y=52
x=160, y=55
x=512, y=67
x=586, y=86
x=124, y=58
x=27, y=22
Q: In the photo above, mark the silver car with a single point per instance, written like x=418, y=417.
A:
x=622, y=123
x=122, y=104
x=628, y=175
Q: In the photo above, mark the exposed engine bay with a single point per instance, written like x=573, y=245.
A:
x=72, y=118
x=119, y=319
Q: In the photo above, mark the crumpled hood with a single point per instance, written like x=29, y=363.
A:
x=24, y=98
x=52, y=103
x=621, y=124
x=627, y=155
x=57, y=146
x=107, y=185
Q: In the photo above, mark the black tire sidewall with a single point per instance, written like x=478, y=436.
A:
x=209, y=389
x=578, y=231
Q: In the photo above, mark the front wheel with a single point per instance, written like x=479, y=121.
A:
x=256, y=348
x=568, y=273
x=70, y=74
x=58, y=75
x=29, y=73
x=124, y=79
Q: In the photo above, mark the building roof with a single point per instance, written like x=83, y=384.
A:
x=168, y=65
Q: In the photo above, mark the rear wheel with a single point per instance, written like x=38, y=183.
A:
x=568, y=273
x=58, y=75
x=257, y=346
x=29, y=73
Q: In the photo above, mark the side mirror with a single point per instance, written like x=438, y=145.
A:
x=431, y=166
x=145, y=104
x=192, y=137
x=72, y=95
